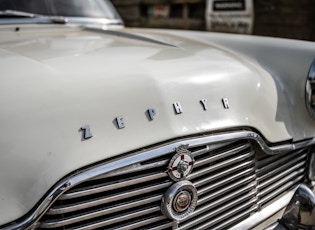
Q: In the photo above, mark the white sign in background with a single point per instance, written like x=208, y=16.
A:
x=232, y=16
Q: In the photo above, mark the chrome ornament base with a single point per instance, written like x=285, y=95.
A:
x=179, y=201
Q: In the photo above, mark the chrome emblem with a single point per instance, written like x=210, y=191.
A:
x=181, y=164
x=226, y=103
x=180, y=200
x=178, y=107
x=86, y=132
x=182, y=169
x=151, y=112
x=204, y=104
x=120, y=122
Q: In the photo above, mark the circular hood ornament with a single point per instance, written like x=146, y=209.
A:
x=181, y=164
x=180, y=200
x=310, y=91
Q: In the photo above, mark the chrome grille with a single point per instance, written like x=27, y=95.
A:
x=220, y=176
x=234, y=179
x=277, y=174
x=110, y=200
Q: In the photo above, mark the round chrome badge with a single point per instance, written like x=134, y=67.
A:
x=180, y=200
x=181, y=164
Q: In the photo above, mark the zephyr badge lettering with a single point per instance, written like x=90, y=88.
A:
x=225, y=102
x=204, y=104
x=152, y=113
x=120, y=122
x=86, y=132
x=178, y=107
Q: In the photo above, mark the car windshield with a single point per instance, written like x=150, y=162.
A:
x=95, y=9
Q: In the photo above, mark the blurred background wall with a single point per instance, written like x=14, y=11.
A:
x=277, y=18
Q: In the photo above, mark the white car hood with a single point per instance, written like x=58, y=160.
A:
x=56, y=79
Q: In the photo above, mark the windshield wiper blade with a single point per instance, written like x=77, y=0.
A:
x=42, y=18
x=19, y=14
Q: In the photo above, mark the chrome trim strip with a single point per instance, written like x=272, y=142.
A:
x=73, y=180
x=228, y=153
x=86, y=20
x=104, y=188
x=62, y=20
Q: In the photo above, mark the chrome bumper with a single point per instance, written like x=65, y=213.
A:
x=300, y=212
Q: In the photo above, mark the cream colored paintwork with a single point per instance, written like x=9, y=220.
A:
x=55, y=79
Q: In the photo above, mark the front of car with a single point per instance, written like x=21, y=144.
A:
x=115, y=128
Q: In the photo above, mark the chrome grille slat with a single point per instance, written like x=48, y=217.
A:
x=230, y=221
x=218, y=193
x=283, y=163
x=103, y=188
x=222, y=200
x=263, y=198
x=221, y=165
x=119, y=219
x=211, y=147
x=239, y=216
x=131, y=169
x=278, y=183
x=142, y=223
x=92, y=203
x=206, y=149
x=98, y=213
x=163, y=226
x=227, y=207
x=223, y=174
x=221, y=155
x=278, y=174
x=225, y=181
x=275, y=160
x=273, y=181
x=287, y=167
x=233, y=178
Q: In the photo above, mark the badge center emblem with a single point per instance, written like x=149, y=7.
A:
x=180, y=200
x=181, y=164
